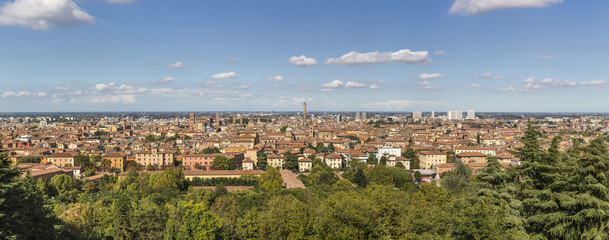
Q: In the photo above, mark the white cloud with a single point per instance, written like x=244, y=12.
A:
x=427, y=85
x=531, y=85
x=121, y=98
x=224, y=75
x=302, y=60
x=177, y=65
x=396, y=104
x=544, y=57
x=425, y=76
x=7, y=94
x=592, y=83
x=401, y=56
x=104, y=87
x=42, y=94
x=213, y=84
x=277, y=78
x=507, y=89
x=496, y=78
x=326, y=90
x=374, y=86
x=472, y=7
x=439, y=52
x=43, y=15
x=334, y=84
x=486, y=75
x=165, y=80
x=354, y=85
x=474, y=85
x=245, y=86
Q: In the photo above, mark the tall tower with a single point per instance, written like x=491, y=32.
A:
x=304, y=114
x=217, y=120
x=241, y=119
x=234, y=119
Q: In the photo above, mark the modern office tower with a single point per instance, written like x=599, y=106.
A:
x=312, y=118
x=471, y=114
x=304, y=113
x=417, y=116
x=339, y=118
x=357, y=117
x=433, y=114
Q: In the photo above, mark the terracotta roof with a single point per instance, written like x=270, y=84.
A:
x=63, y=154
x=471, y=154
x=432, y=153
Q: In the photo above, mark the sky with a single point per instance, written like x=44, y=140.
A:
x=273, y=55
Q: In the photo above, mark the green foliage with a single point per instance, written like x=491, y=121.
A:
x=321, y=174
x=371, y=159
x=283, y=128
x=210, y=150
x=400, y=177
x=196, y=223
x=380, y=174
x=262, y=161
x=290, y=162
x=221, y=162
x=418, y=176
x=271, y=180
x=28, y=160
x=359, y=178
x=244, y=180
x=150, y=138
x=458, y=181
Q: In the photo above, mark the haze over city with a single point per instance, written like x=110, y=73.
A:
x=129, y=55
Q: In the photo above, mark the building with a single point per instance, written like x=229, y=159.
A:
x=428, y=159
x=64, y=159
x=305, y=164
x=387, y=151
x=154, y=157
x=117, y=160
x=334, y=160
x=248, y=164
x=275, y=161
x=472, y=157
x=484, y=150
x=471, y=114
x=417, y=116
x=455, y=115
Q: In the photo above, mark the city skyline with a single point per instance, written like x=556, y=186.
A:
x=130, y=55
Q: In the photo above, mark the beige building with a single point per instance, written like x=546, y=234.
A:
x=154, y=157
x=428, y=159
x=62, y=159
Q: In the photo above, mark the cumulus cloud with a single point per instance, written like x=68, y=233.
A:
x=43, y=15
x=486, y=75
x=402, y=56
x=104, y=87
x=426, y=76
x=507, y=89
x=277, y=78
x=544, y=57
x=245, y=86
x=165, y=80
x=224, y=75
x=496, y=78
x=439, y=52
x=302, y=60
x=121, y=98
x=334, y=84
x=177, y=65
x=474, y=85
x=532, y=85
x=354, y=85
x=592, y=83
x=326, y=90
x=232, y=60
x=339, y=84
x=472, y=7
x=427, y=85
x=374, y=86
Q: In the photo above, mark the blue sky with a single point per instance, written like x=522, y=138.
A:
x=406, y=55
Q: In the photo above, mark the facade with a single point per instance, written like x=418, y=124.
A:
x=305, y=164
x=387, y=151
x=483, y=150
x=62, y=159
x=471, y=114
x=472, y=157
x=428, y=159
x=154, y=157
x=117, y=160
x=248, y=164
x=275, y=161
x=334, y=160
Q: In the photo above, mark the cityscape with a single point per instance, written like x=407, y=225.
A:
x=461, y=119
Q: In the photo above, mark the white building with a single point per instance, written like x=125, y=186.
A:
x=388, y=151
x=471, y=114
x=417, y=116
x=455, y=115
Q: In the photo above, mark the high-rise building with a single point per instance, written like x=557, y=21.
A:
x=471, y=114
x=417, y=116
x=304, y=113
x=357, y=117
x=217, y=120
x=455, y=115
x=339, y=118
x=364, y=118
x=241, y=119
x=433, y=114
x=234, y=119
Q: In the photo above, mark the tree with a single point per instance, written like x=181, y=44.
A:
x=383, y=160
x=400, y=177
x=210, y=150
x=417, y=176
x=359, y=178
x=371, y=159
x=117, y=149
x=478, y=138
x=28, y=160
x=262, y=161
x=380, y=174
x=271, y=179
x=221, y=162
x=457, y=181
x=290, y=162
x=283, y=128
x=150, y=138
x=82, y=160
x=23, y=214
